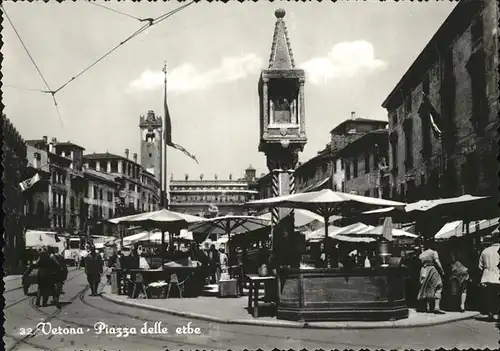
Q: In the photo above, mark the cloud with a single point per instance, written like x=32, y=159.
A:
x=186, y=77
x=345, y=60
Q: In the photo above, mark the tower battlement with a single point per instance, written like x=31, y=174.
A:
x=150, y=120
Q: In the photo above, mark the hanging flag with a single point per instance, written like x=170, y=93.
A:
x=168, y=130
x=28, y=183
x=434, y=117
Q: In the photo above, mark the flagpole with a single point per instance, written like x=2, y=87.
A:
x=165, y=168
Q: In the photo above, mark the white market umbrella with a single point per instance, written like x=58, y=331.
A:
x=163, y=219
x=325, y=203
x=451, y=229
x=456, y=208
x=228, y=225
x=395, y=232
x=134, y=238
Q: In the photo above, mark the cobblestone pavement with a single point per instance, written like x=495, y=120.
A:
x=81, y=312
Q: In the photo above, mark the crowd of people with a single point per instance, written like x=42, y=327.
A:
x=52, y=272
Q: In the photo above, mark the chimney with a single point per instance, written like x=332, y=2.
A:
x=54, y=141
x=353, y=115
x=51, y=147
x=135, y=157
x=45, y=139
x=127, y=153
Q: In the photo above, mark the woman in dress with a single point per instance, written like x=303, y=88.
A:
x=459, y=278
x=431, y=283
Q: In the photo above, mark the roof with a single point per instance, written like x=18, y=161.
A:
x=281, y=50
x=100, y=175
x=68, y=143
x=358, y=121
x=458, y=20
x=380, y=134
x=107, y=155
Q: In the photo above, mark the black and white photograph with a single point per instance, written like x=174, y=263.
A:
x=231, y=175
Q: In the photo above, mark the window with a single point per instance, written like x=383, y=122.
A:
x=407, y=104
x=334, y=166
x=408, y=127
x=376, y=193
x=130, y=186
x=426, y=133
x=476, y=68
x=100, y=194
x=348, y=172
x=402, y=191
x=477, y=30
x=367, y=163
x=394, y=154
x=95, y=192
x=72, y=203
x=110, y=196
x=355, y=168
x=110, y=213
x=426, y=84
x=341, y=165
x=394, y=119
x=87, y=191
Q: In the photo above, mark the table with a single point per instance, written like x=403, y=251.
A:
x=253, y=294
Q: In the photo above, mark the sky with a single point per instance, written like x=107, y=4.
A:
x=354, y=53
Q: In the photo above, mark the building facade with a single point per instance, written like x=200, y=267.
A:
x=14, y=222
x=215, y=197
x=49, y=199
x=136, y=191
x=456, y=75
x=365, y=159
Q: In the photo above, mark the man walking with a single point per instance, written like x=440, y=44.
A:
x=490, y=280
x=93, y=269
x=45, y=277
x=60, y=275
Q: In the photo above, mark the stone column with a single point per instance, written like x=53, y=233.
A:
x=302, y=111
x=108, y=167
x=97, y=165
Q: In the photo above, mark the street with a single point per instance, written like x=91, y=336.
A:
x=74, y=328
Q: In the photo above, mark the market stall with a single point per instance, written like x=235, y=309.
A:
x=337, y=293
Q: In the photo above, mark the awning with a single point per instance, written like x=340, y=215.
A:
x=38, y=238
x=457, y=228
x=317, y=185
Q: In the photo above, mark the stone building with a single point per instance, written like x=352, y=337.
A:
x=14, y=162
x=49, y=199
x=137, y=190
x=100, y=201
x=456, y=76
x=214, y=197
x=351, y=129
x=366, y=165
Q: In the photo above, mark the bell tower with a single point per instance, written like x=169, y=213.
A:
x=151, y=143
x=281, y=94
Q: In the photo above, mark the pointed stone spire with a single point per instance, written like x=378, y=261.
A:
x=281, y=50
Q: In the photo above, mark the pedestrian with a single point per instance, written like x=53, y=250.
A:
x=488, y=264
x=430, y=279
x=93, y=269
x=60, y=274
x=214, y=263
x=45, y=277
x=459, y=279
x=76, y=258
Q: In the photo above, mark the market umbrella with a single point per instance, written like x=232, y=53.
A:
x=163, y=219
x=395, y=232
x=228, y=225
x=326, y=203
x=465, y=207
x=387, y=229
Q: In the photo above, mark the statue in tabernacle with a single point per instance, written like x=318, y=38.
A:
x=282, y=111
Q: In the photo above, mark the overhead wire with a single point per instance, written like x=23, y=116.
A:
x=151, y=22
x=23, y=88
x=119, y=12
x=36, y=67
